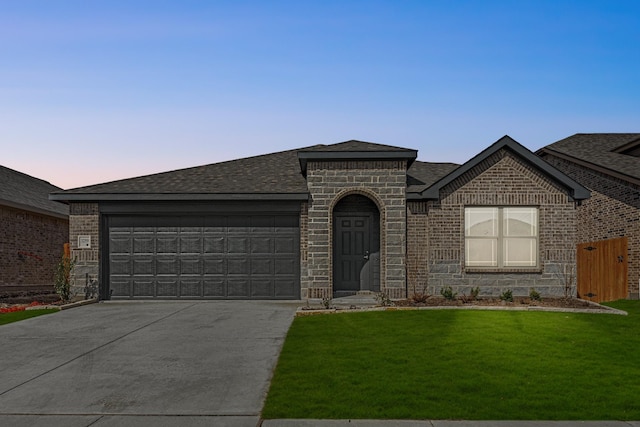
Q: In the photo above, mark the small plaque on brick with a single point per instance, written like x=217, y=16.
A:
x=84, y=242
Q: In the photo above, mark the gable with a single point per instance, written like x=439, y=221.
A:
x=502, y=179
x=507, y=144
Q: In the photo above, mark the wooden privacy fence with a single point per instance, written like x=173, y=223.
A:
x=602, y=270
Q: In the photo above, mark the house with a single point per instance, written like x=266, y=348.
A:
x=33, y=230
x=608, y=164
x=330, y=220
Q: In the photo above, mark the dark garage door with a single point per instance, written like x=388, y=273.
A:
x=224, y=256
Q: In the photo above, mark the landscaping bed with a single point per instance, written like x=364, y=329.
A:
x=434, y=301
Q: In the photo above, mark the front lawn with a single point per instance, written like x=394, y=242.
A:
x=458, y=364
x=16, y=316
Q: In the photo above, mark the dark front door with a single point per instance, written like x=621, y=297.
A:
x=351, y=252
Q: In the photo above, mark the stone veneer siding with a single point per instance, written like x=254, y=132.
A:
x=31, y=245
x=612, y=211
x=384, y=182
x=84, y=220
x=500, y=180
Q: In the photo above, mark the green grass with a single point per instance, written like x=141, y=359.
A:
x=17, y=316
x=457, y=364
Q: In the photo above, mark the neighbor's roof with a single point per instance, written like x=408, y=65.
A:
x=576, y=190
x=602, y=151
x=269, y=176
x=22, y=191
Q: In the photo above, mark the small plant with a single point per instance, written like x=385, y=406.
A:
x=420, y=296
x=534, y=295
x=383, y=299
x=326, y=302
x=507, y=295
x=447, y=293
x=475, y=292
x=62, y=278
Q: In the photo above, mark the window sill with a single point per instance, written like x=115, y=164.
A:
x=523, y=270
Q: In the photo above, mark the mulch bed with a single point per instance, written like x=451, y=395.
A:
x=497, y=302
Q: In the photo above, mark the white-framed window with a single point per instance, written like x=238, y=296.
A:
x=501, y=237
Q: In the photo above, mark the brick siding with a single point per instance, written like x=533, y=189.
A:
x=500, y=180
x=31, y=245
x=84, y=220
x=613, y=210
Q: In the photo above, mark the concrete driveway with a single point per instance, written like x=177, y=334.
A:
x=142, y=363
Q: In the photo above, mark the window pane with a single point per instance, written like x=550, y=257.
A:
x=520, y=221
x=481, y=222
x=481, y=252
x=520, y=252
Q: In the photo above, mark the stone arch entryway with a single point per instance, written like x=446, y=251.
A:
x=356, y=246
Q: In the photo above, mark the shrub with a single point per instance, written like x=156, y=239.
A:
x=447, y=293
x=62, y=278
x=534, y=295
x=475, y=292
x=507, y=295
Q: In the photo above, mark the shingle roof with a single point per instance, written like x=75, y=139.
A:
x=599, y=150
x=276, y=175
x=355, y=146
x=422, y=175
x=23, y=191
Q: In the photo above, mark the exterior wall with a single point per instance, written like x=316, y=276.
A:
x=384, y=182
x=31, y=245
x=417, y=247
x=612, y=211
x=84, y=220
x=502, y=180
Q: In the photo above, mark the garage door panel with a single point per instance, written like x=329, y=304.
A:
x=285, y=288
x=284, y=267
x=261, y=245
x=191, y=288
x=238, y=245
x=261, y=288
x=166, y=244
x=167, y=288
x=214, y=266
x=143, y=288
x=190, y=266
x=120, y=265
x=190, y=244
x=261, y=266
x=214, y=287
x=143, y=266
x=285, y=245
x=143, y=244
x=120, y=244
x=238, y=287
x=214, y=244
x=239, y=256
x=237, y=266
x=121, y=287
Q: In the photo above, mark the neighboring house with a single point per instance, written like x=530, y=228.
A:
x=33, y=229
x=330, y=220
x=608, y=164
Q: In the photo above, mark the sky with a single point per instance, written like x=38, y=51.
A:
x=95, y=91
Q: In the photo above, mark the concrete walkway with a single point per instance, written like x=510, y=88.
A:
x=142, y=363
